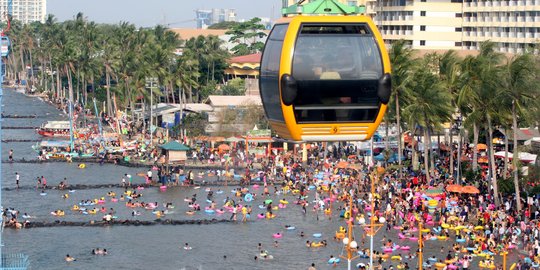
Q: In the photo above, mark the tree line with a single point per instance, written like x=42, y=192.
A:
x=79, y=59
x=488, y=90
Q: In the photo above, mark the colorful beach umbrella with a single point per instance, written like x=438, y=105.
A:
x=454, y=188
x=434, y=192
x=343, y=164
x=470, y=190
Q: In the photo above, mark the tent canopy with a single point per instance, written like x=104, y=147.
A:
x=523, y=156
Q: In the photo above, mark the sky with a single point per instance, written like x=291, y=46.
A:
x=148, y=13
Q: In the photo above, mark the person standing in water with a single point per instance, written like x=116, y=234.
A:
x=11, y=155
x=17, y=178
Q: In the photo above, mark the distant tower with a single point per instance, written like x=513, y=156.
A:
x=207, y=17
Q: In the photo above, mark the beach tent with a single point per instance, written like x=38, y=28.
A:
x=523, y=156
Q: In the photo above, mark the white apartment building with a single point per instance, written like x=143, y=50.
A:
x=456, y=24
x=513, y=24
x=25, y=11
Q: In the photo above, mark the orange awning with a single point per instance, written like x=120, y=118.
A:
x=481, y=147
x=470, y=190
x=454, y=188
x=343, y=164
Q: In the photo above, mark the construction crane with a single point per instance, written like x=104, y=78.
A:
x=180, y=22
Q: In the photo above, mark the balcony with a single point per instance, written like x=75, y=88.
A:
x=520, y=35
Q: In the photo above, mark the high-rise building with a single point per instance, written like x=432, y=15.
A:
x=207, y=17
x=513, y=24
x=455, y=24
x=435, y=24
x=25, y=11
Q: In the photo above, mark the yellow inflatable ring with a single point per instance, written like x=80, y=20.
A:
x=82, y=166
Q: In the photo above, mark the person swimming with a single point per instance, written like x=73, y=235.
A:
x=69, y=258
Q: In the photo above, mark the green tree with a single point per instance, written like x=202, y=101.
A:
x=223, y=25
x=234, y=87
x=429, y=106
x=401, y=57
x=518, y=84
x=246, y=36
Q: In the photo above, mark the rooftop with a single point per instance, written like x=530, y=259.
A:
x=174, y=146
x=188, y=33
x=223, y=101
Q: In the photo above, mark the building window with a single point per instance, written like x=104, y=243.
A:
x=458, y=44
x=423, y=1
x=422, y=28
x=422, y=43
x=459, y=15
x=353, y=3
x=422, y=13
x=459, y=29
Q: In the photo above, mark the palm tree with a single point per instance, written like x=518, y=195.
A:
x=401, y=57
x=429, y=106
x=518, y=82
x=449, y=71
x=479, y=95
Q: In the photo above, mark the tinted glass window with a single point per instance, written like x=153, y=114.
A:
x=269, y=79
x=337, y=69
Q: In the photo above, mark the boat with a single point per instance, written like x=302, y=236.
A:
x=54, y=129
x=58, y=150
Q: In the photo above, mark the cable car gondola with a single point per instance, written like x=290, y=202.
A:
x=325, y=78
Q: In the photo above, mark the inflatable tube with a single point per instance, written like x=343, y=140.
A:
x=405, y=248
x=282, y=206
x=479, y=228
x=442, y=237
x=317, y=235
x=209, y=211
x=261, y=216
x=396, y=258
x=452, y=266
x=283, y=202
x=277, y=235
x=290, y=228
x=401, y=236
x=460, y=240
x=82, y=166
x=248, y=197
x=413, y=238
x=440, y=265
x=334, y=260
x=219, y=191
x=432, y=259
x=388, y=250
x=219, y=211
x=445, y=226
x=262, y=206
x=163, y=188
x=209, y=201
x=513, y=266
x=114, y=200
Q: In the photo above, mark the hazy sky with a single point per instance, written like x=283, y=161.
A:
x=153, y=12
